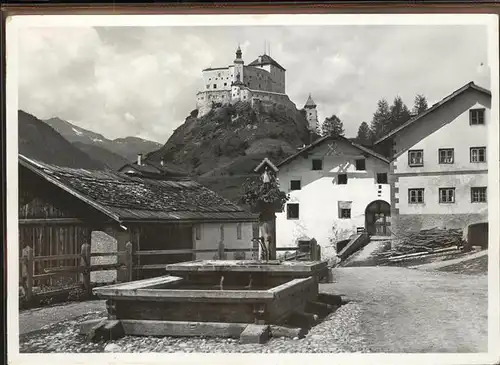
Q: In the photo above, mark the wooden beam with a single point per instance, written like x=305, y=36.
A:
x=56, y=257
x=181, y=329
x=180, y=295
x=145, y=283
x=118, y=253
x=249, y=249
x=295, y=248
x=50, y=221
x=174, y=251
x=291, y=286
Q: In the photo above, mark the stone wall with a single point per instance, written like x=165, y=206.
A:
x=406, y=223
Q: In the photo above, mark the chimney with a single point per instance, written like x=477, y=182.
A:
x=162, y=162
x=139, y=159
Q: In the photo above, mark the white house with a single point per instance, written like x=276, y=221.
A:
x=439, y=167
x=336, y=188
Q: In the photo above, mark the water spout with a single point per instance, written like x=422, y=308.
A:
x=222, y=282
x=249, y=286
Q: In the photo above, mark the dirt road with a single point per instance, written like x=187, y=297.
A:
x=407, y=310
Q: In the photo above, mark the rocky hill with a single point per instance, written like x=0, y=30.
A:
x=232, y=139
x=127, y=147
x=39, y=141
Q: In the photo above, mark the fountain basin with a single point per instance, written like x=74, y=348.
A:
x=173, y=298
x=250, y=299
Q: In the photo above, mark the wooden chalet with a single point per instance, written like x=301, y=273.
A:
x=59, y=208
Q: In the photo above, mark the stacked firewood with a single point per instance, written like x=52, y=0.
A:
x=426, y=241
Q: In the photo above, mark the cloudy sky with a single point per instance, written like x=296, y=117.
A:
x=141, y=81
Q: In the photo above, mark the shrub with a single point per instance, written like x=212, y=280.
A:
x=261, y=196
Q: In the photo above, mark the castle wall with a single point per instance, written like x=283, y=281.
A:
x=218, y=78
x=276, y=78
x=204, y=100
x=257, y=78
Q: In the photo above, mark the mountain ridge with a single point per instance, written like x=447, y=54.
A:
x=39, y=141
x=127, y=147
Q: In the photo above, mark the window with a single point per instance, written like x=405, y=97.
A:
x=361, y=164
x=478, y=154
x=317, y=164
x=476, y=116
x=382, y=178
x=238, y=231
x=225, y=84
x=295, y=185
x=478, y=195
x=197, y=232
x=446, y=155
x=292, y=211
x=218, y=74
x=345, y=209
x=208, y=86
x=215, y=86
x=416, y=158
x=345, y=214
x=415, y=196
x=342, y=179
x=447, y=195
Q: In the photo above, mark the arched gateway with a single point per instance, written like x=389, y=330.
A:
x=378, y=218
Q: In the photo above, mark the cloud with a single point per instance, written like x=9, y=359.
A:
x=122, y=81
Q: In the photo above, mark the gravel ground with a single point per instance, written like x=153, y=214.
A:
x=415, y=311
x=476, y=266
x=38, y=318
x=460, y=259
x=339, y=332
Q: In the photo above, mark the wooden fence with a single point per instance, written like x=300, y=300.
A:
x=28, y=260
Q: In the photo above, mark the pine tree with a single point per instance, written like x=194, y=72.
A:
x=399, y=113
x=380, y=124
x=333, y=126
x=420, y=104
x=364, y=134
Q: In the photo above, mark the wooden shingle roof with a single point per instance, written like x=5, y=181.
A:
x=132, y=198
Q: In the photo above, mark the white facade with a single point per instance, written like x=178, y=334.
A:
x=324, y=199
x=233, y=235
x=449, y=128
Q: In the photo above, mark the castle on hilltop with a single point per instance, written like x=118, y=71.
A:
x=263, y=80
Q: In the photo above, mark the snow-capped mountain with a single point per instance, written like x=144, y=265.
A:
x=127, y=147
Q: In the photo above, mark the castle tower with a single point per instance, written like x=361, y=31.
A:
x=238, y=66
x=311, y=113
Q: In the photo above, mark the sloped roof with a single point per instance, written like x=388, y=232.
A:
x=310, y=102
x=130, y=198
x=267, y=162
x=448, y=98
x=328, y=138
x=265, y=60
x=156, y=168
